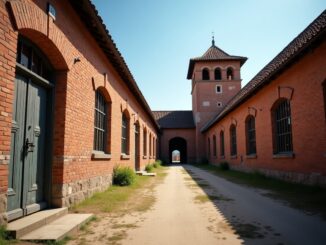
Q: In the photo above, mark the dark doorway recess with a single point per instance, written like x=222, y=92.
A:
x=179, y=144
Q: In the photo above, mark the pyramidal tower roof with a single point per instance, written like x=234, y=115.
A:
x=214, y=53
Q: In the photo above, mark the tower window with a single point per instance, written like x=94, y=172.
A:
x=205, y=74
x=282, y=127
x=218, y=74
x=229, y=73
x=218, y=89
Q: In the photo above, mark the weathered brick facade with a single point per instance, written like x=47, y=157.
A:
x=76, y=172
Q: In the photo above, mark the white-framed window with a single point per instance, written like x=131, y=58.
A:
x=219, y=104
x=218, y=89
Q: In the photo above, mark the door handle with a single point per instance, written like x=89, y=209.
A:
x=29, y=146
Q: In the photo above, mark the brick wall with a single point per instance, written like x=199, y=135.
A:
x=187, y=134
x=75, y=174
x=308, y=123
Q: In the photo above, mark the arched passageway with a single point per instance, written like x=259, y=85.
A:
x=178, y=144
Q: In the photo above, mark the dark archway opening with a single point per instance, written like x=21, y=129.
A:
x=178, y=144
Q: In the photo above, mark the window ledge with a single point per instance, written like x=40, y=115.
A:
x=125, y=157
x=283, y=155
x=144, y=157
x=234, y=157
x=98, y=155
x=251, y=156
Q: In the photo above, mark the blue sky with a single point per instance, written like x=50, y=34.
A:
x=158, y=37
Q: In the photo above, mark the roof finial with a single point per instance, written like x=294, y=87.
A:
x=213, y=41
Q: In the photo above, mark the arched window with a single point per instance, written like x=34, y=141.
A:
x=214, y=145
x=150, y=144
x=282, y=126
x=250, y=135
x=145, y=142
x=229, y=73
x=218, y=74
x=32, y=59
x=101, y=124
x=222, y=153
x=233, y=140
x=125, y=134
x=205, y=74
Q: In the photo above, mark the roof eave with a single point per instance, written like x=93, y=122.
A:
x=106, y=43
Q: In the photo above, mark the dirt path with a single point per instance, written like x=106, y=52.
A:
x=193, y=206
x=182, y=215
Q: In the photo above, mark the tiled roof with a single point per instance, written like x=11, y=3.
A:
x=94, y=23
x=213, y=54
x=174, y=119
x=314, y=33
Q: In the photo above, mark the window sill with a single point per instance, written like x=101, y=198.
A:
x=251, y=156
x=125, y=157
x=144, y=157
x=234, y=157
x=283, y=155
x=98, y=155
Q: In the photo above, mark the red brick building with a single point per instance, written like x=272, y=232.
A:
x=70, y=110
x=275, y=124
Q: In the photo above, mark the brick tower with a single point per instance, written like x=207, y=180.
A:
x=215, y=80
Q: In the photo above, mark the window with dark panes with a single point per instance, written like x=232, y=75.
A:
x=229, y=73
x=218, y=74
x=100, y=124
x=32, y=59
x=250, y=135
x=214, y=145
x=209, y=147
x=222, y=153
x=145, y=143
x=233, y=140
x=205, y=74
x=282, y=127
x=125, y=135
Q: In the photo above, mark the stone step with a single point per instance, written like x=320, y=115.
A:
x=20, y=227
x=58, y=229
x=140, y=172
x=149, y=174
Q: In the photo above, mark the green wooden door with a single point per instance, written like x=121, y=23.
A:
x=27, y=159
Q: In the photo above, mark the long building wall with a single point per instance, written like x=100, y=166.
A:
x=76, y=171
x=303, y=84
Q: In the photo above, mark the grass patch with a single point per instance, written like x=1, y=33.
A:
x=127, y=226
x=311, y=199
x=118, y=236
x=5, y=238
x=115, y=198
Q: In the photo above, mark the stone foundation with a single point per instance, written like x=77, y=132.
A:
x=3, y=208
x=68, y=194
x=301, y=178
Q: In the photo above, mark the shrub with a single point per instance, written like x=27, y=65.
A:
x=123, y=176
x=149, y=168
x=157, y=164
x=224, y=166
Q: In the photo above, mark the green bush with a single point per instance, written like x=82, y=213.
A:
x=123, y=176
x=149, y=168
x=224, y=166
x=157, y=164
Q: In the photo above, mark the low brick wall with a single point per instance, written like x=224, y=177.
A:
x=68, y=194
